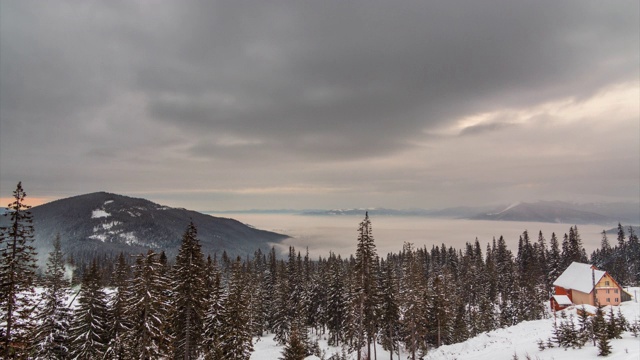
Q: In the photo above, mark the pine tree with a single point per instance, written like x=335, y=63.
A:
x=633, y=260
x=118, y=324
x=146, y=310
x=389, y=310
x=598, y=325
x=295, y=349
x=189, y=294
x=412, y=293
x=17, y=273
x=604, y=344
x=554, y=258
x=51, y=337
x=214, y=320
x=336, y=304
x=236, y=330
x=366, y=297
x=89, y=327
x=615, y=327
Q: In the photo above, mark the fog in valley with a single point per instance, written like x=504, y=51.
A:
x=322, y=234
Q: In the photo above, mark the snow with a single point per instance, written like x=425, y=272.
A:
x=108, y=202
x=499, y=344
x=106, y=226
x=590, y=309
x=101, y=237
x=510, y=207
x=130, y=238
x=578, y=277
x=522, y=340
x=562, y=300
x=99, y=213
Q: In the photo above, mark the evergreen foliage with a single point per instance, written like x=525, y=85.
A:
x=236, y=341
x=188, y=297
x=147, y=310
x=412, y=300
x=89, y=330
x=17, y=274
x=51, y=336
x=295, y=349
x=118, y=324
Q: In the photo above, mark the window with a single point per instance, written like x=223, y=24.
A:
x=606, y=283
x=616, y=291
x=616, y=299
x=607, y=291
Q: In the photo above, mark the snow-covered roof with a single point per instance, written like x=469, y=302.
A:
x=590, y=309
x=578, y=277
x=562, y=300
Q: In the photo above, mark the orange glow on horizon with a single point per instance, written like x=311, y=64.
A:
x=31, y=201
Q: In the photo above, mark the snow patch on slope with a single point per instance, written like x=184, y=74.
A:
x=101, y=237
x=99, y=213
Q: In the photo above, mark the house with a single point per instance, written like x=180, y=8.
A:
x=584, y=284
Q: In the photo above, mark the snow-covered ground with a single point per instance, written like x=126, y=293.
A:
x=498, y=344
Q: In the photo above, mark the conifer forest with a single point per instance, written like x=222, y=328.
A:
x=213, y=306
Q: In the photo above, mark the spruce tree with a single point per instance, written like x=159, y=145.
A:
x=336, y=304
x=389, y=310
x=295, y=349
x=598, y=325
x=17, y=273
x=89, y=327
x=118, y=323
x=413, y=323
x=189, y=295
x=51, y=337
x=554, y=259
x=214, y=320
x=604, y=344
x=365, y=301
x=146, y=310
x=237, y=340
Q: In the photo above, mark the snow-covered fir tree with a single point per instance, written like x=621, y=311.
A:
x=17, y=274
x=214, y=318
x=147, y=310
x=89, y=331
x=118, y=322
x=364, y=302
x=237, y=339
x=188, y=304
x=51, y=338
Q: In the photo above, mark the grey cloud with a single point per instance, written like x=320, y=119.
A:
x=481, y=128
x=288, y=82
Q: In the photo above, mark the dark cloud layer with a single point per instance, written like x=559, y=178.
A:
x=103, y=92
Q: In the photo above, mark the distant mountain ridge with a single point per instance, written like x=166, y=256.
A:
x=541, y=211
x=459, y=212
x=103, y=223
x=567, y=213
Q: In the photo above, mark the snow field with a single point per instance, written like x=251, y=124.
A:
x=500, y=344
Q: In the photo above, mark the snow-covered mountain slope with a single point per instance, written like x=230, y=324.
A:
x=105, y=223
x=500, y=344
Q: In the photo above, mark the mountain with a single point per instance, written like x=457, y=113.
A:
x=454, y=212
x=546, y=211
x=104, y=223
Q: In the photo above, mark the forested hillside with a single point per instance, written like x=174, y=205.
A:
x=414, y=299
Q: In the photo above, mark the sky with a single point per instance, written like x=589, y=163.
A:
x=253, y=104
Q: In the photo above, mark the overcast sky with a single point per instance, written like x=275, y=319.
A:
x=226, y=105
